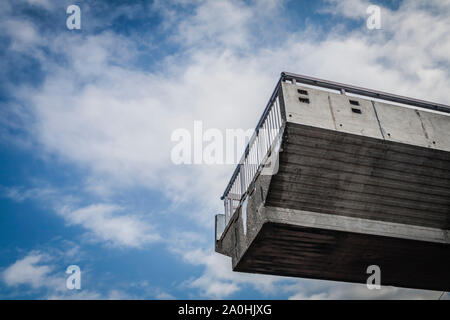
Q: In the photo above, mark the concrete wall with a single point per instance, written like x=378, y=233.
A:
x=377, y=120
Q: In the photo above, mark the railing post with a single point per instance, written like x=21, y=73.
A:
x=241, y=172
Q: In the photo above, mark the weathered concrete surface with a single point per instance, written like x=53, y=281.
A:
x=354, y=188
x=343, y=174
x=356, y=225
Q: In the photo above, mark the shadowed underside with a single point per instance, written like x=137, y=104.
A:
x=295, y=251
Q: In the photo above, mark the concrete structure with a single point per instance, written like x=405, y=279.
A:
x=344, y=181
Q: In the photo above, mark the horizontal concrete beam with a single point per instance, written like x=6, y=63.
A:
x=356, y=225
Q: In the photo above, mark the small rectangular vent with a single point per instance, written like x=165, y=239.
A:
x=301, y=91
x=356, y=110
x=354, y=102
x=304, y=100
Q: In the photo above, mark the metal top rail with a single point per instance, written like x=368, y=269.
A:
x=365, y=92
x=258, y=126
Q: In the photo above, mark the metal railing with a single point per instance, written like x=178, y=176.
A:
x=256, y=153
x=345, y=88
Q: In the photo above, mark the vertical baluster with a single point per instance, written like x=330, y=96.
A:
x=266, y=138
x=275, y=121
x=272, y=113
x=277, y=114
x=258, y=151
x=271, y=126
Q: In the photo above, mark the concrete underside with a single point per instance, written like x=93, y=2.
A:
x=296, y=251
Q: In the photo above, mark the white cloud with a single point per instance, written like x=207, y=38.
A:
x=28, y=270
x=120, y=127
x=348, y=8
x=218, y=281
x=215, y=23
x=164, y=296
x=20, y=194
x=105, y=224
x=22, y=32
x=325, y=290
x=42, y=273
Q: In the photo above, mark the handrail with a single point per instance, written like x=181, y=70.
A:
x=264, y=115
x=256, y=153
x=365, y=92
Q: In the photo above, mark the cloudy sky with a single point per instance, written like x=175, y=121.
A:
x=86, y=118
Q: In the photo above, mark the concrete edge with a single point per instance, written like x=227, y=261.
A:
x=356, y=225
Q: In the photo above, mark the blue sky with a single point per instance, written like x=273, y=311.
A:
x=86, y=118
